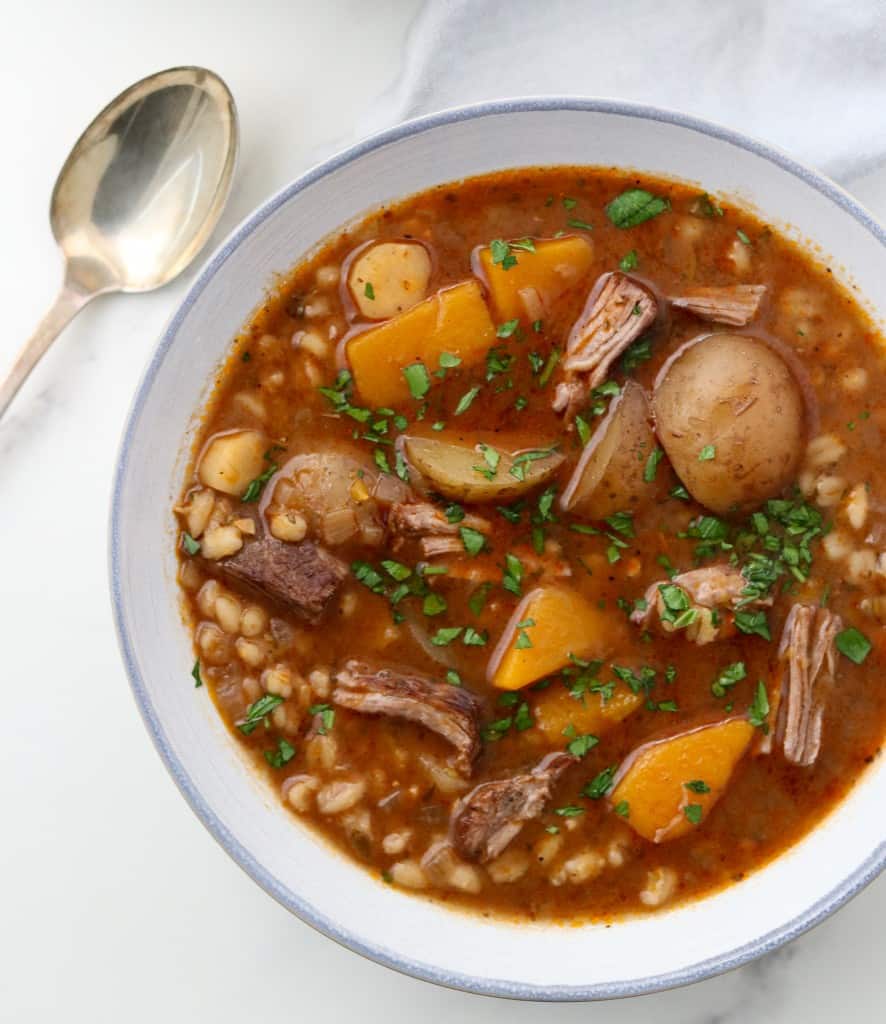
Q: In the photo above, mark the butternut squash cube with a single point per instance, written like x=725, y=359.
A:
x=529, y=289
x=667, y=787
x=556, y=709
x=549, y=624
x=454, y=320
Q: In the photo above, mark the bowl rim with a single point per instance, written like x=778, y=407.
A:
x=857, y=880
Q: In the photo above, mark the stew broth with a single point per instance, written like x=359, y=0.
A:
x=574, y=630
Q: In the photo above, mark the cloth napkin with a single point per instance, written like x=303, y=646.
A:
x=808, y=76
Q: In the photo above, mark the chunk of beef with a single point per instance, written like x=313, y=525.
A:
x=449, y=711
x=491, y=815
x=618, y=311
x=734, y=304
x=808, y=655
x=712, y=589
x=428, y=524
x=301, y=577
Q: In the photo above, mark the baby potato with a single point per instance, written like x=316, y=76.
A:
x=609, y=476
x=462, y=472
x=730, y=415
x=230, y=462
x=388, y=278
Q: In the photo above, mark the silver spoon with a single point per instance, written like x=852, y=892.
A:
x=138, y=196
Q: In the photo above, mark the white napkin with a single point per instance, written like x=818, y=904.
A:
x=808, y=76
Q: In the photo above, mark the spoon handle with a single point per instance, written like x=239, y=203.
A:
x=68, y=303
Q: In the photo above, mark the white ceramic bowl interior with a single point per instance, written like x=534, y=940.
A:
x=298, y=869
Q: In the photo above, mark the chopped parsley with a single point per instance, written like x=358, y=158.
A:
x=753, y=623
x=629, y=261
x=581, y=745
x=434, y=604
x=418, y=379
x=727, y=678
x=697, y=786
x=601, y=783
x=189, y=544
x=635, y=206
x=501, y=254
x=707, y=453
x=506, y=329
x=472, y=539
x=195, y=674
x=445, y=635
x=369, y=291
x=466, y=400
x=623, y=809
x=693, y=813
x=569, y=811
x=256, y=486
x=282, y=754
x=758, y=712
x=327, y=717
x=258, y=712
x=639, y=352
x=853, y=644
x=651, y=467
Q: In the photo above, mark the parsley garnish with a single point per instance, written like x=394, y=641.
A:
x=473, y=540
x=758, y=712
x=189, y=544
x=693, y=813
x=195, y=673
x=853, y=644
x=258, y=712
x=601, y=783
x=283, y=753
x=697, y=786
x=629, y=261
x=418, y=379
x=727, y=678
x=327, y=717
x=635, y=206
x=466, y=400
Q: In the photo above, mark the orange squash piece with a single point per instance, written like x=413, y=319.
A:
x=529, y=289
x=652, y=782
x=556, y=709
x=455, y=320
x=549, y=624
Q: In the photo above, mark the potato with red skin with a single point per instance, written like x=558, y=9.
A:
x=731, y=418
x=610, y=474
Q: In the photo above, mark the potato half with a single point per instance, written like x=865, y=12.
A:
x=388, y=278
x=609, y=475
x=462, y=472
x=730, y=415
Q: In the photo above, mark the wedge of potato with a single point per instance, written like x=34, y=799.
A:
x=388, y=278
x=609, y=476
x=461, y=472
x=667, y=787
x=530, y=288
x=549, y=624
x=455, y=320
x=230, y=462
x=556, y=709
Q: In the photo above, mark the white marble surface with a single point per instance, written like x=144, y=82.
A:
x=115, y=904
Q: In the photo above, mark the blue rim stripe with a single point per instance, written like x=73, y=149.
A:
x=816, y=913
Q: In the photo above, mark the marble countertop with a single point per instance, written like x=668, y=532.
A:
x=115, y=904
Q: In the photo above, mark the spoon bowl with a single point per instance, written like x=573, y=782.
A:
x=138, y=196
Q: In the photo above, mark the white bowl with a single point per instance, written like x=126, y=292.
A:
x=410, y=934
